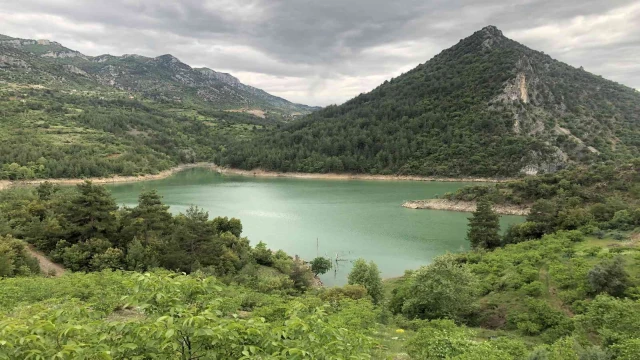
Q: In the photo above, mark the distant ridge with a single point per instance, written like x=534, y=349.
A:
x=163, y=78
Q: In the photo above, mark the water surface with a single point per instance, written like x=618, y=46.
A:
x=344, y=218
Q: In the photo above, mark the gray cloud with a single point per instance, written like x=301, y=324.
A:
x=321, y=52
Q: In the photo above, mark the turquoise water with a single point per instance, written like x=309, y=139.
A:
x=344, y=218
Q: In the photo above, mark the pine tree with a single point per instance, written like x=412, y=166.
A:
x=91, y=213
x=484, y=227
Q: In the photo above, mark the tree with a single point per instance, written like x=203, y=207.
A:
x=14, y=258
x=262, y=254
x=444, y=289
x=609, y=277
x=150, y=219
x=368, y=276
x=320, y=265
x=484, y=227
x=91, y=213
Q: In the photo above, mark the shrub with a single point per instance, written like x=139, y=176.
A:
x=609, y=277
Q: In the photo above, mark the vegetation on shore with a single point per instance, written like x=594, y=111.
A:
x=593, y=199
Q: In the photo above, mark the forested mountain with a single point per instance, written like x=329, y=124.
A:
x=161, y=78
x=64, y=114
x=487, y=106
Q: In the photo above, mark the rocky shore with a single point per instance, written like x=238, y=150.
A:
x=464, y=206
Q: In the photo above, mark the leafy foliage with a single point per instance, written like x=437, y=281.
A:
x=368, y=276
x=163, y=315
x=443, y=290
x=320, y=265
x=14, y=258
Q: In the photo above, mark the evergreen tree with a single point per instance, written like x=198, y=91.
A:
x=91, y=213
x=484, y=227
x=150, y=219
x=368, y=276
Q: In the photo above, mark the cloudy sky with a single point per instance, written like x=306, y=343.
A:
x=320, y=52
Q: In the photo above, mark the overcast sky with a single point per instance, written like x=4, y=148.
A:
x=319, y=52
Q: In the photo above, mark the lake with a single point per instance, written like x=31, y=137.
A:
x=344, y=218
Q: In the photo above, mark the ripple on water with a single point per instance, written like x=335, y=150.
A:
x=270, y=214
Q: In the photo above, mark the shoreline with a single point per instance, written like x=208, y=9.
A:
x=335, y=176
x=6, y=184
x=463, y=206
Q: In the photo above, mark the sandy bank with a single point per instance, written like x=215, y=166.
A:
x=332, y=176
x=4, y=184
x=465, y=206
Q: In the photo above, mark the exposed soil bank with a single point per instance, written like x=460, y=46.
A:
x=4, y=184
x=47, y=266
x=262, y=173
x=465, y=206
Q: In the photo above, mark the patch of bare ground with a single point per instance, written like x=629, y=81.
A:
x=5, y=184
x=332, y=176
x=254, y=112
x=47, y=266
x=463, y=206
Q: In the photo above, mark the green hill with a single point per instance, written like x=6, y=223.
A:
x=487, y=106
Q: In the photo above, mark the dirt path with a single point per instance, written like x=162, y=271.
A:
x=47, y=266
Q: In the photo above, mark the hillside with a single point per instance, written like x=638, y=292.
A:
x=68, y=115
x=162, y=78
x=487, y=106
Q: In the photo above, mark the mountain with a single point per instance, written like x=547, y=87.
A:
x=163, y=78
x=487, y=106
x=65, y=114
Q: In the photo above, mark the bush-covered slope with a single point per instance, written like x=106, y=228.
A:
x=53, y=132
x=488, y=106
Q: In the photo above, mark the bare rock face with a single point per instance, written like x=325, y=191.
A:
x=8, y=61
x=219, y=76
x=74, y=70
x=62, y=54
x=18, y=42
x=545, y=164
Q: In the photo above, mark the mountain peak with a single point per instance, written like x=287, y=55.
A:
x=492, y=31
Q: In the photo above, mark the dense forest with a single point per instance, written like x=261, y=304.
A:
x=487, y=107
